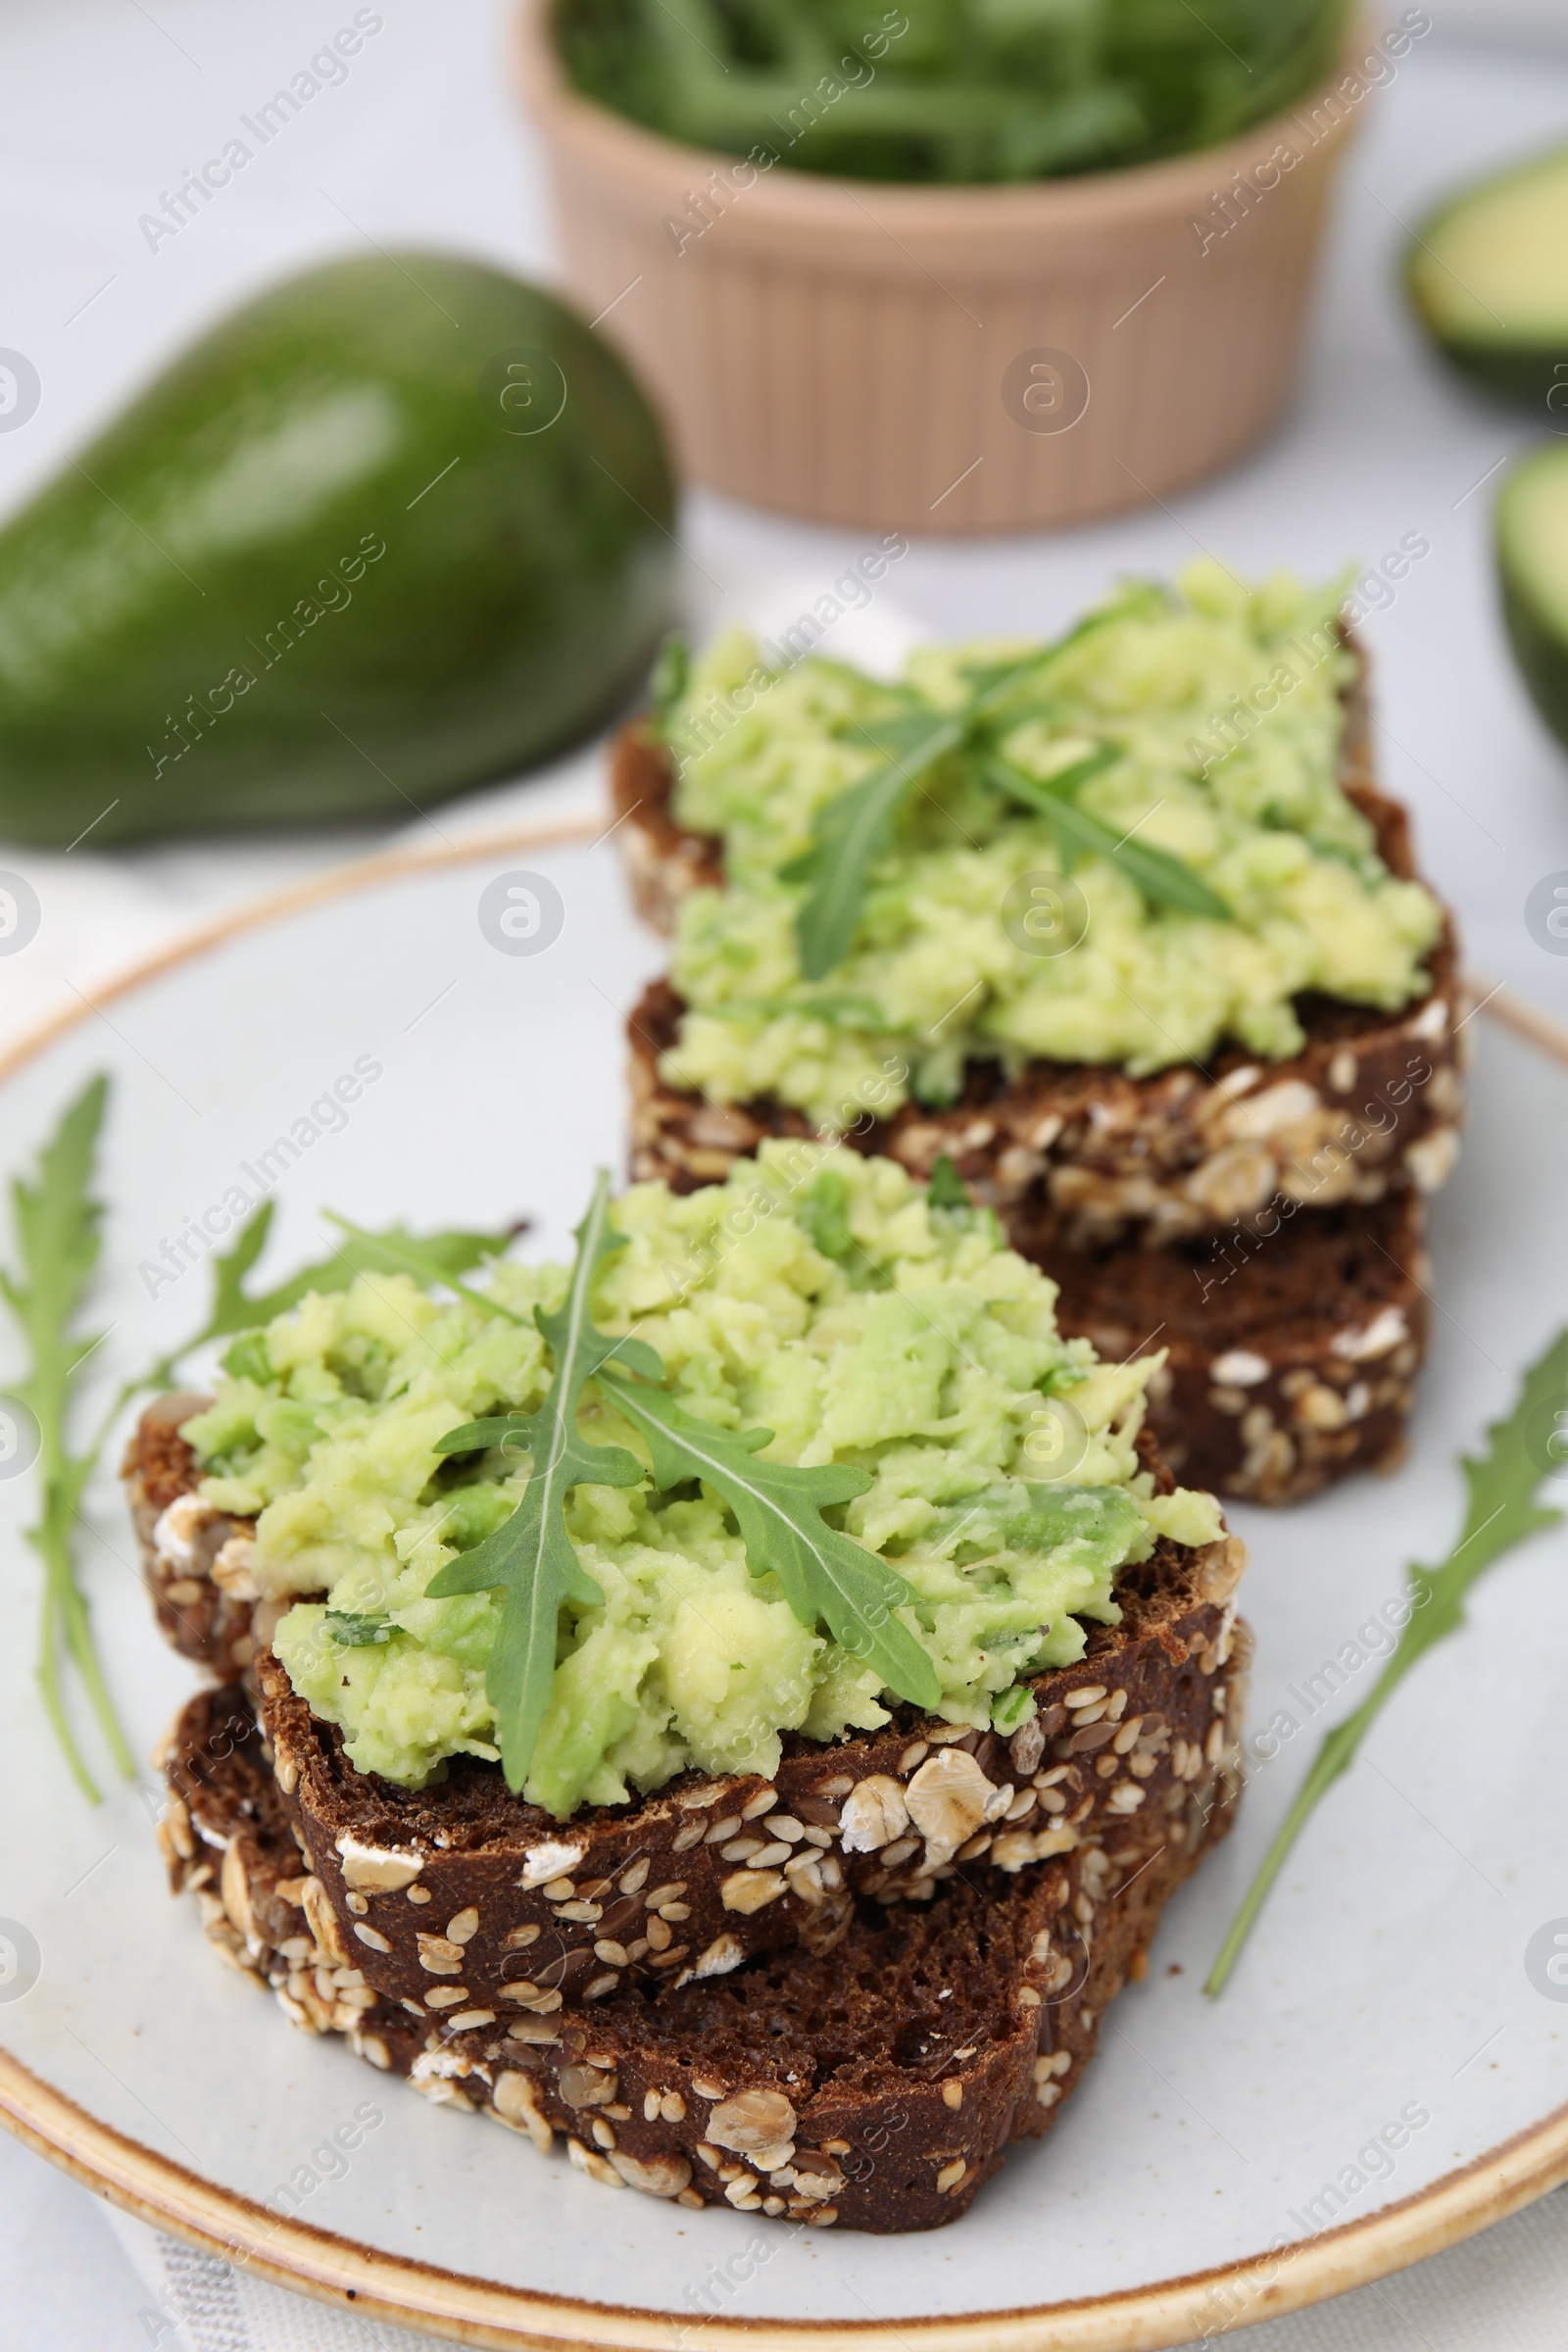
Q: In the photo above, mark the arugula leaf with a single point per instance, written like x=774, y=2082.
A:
x=530, y=1556
x=431, y=1256
x=429, y=1261
x=1164, y=880
x=234, y=1309
x=824, y=1213
x=229, y=1269
x=778, y=1508
x=56, y=1221
x=1501, y=1512
x=1132, y=600
x=477, y=1437
x=851, y=831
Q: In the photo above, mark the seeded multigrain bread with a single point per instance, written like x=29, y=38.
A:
x=195, y=1560
x=873, y=2086
x=1372, y=1103
x=462, y=1893
x=1291, y=1356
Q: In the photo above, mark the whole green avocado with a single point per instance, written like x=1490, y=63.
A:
x=397, y=526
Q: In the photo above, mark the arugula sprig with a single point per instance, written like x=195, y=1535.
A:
x=57, y=1228
x=532, y=1559
x=431, y=1257
x=851, y=831
x=1501, y=1512
x=431, y=1262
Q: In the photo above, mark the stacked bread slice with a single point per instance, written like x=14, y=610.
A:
x=1263, y=1222
x=829, y=1997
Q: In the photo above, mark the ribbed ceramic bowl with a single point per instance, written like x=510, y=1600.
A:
x=939, y=358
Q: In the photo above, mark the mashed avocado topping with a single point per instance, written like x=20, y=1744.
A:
x=814, y=1294
x=1217, y=710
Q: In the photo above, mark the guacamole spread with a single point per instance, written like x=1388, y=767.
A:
x=1215, y=713
x=814, y=1294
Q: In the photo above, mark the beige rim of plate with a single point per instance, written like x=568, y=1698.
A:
x=477, y=2311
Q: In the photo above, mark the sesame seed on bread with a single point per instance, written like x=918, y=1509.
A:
x=1291, y=1356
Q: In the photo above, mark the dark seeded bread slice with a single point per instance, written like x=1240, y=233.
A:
x=463, y=1893
x=205, y=1612
x=1293, y=1359
x=1370, y=1105
x=1289, y=1288
x=873, y=2086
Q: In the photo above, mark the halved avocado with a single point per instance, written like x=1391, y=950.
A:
x=1488, y=274
x=1533, y=560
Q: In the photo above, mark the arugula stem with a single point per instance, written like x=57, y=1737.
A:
x=48, y=1670
x=78, y=1635
x=63, y=1608
x=1334, y=1757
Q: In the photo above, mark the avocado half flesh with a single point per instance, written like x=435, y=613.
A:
x=398, y=527
x=1488, y=274
x=1532, y=560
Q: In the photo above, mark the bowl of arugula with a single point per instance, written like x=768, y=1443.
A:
x=954, y=265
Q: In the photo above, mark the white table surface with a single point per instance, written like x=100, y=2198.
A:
x=104, y=101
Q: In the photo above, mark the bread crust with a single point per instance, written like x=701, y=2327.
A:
x=181, y=1541
x=1291, y=1359
x=874, y=2086
x=463, y=1888
x=1372, y=1103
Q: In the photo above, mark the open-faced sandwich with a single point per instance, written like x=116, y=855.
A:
x=1123, y=928
x=741, y=1701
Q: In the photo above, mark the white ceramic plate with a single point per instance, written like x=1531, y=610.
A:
x=1388, y=1977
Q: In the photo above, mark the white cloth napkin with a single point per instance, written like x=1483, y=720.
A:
x=199, y=2304
x=1500, y=2292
